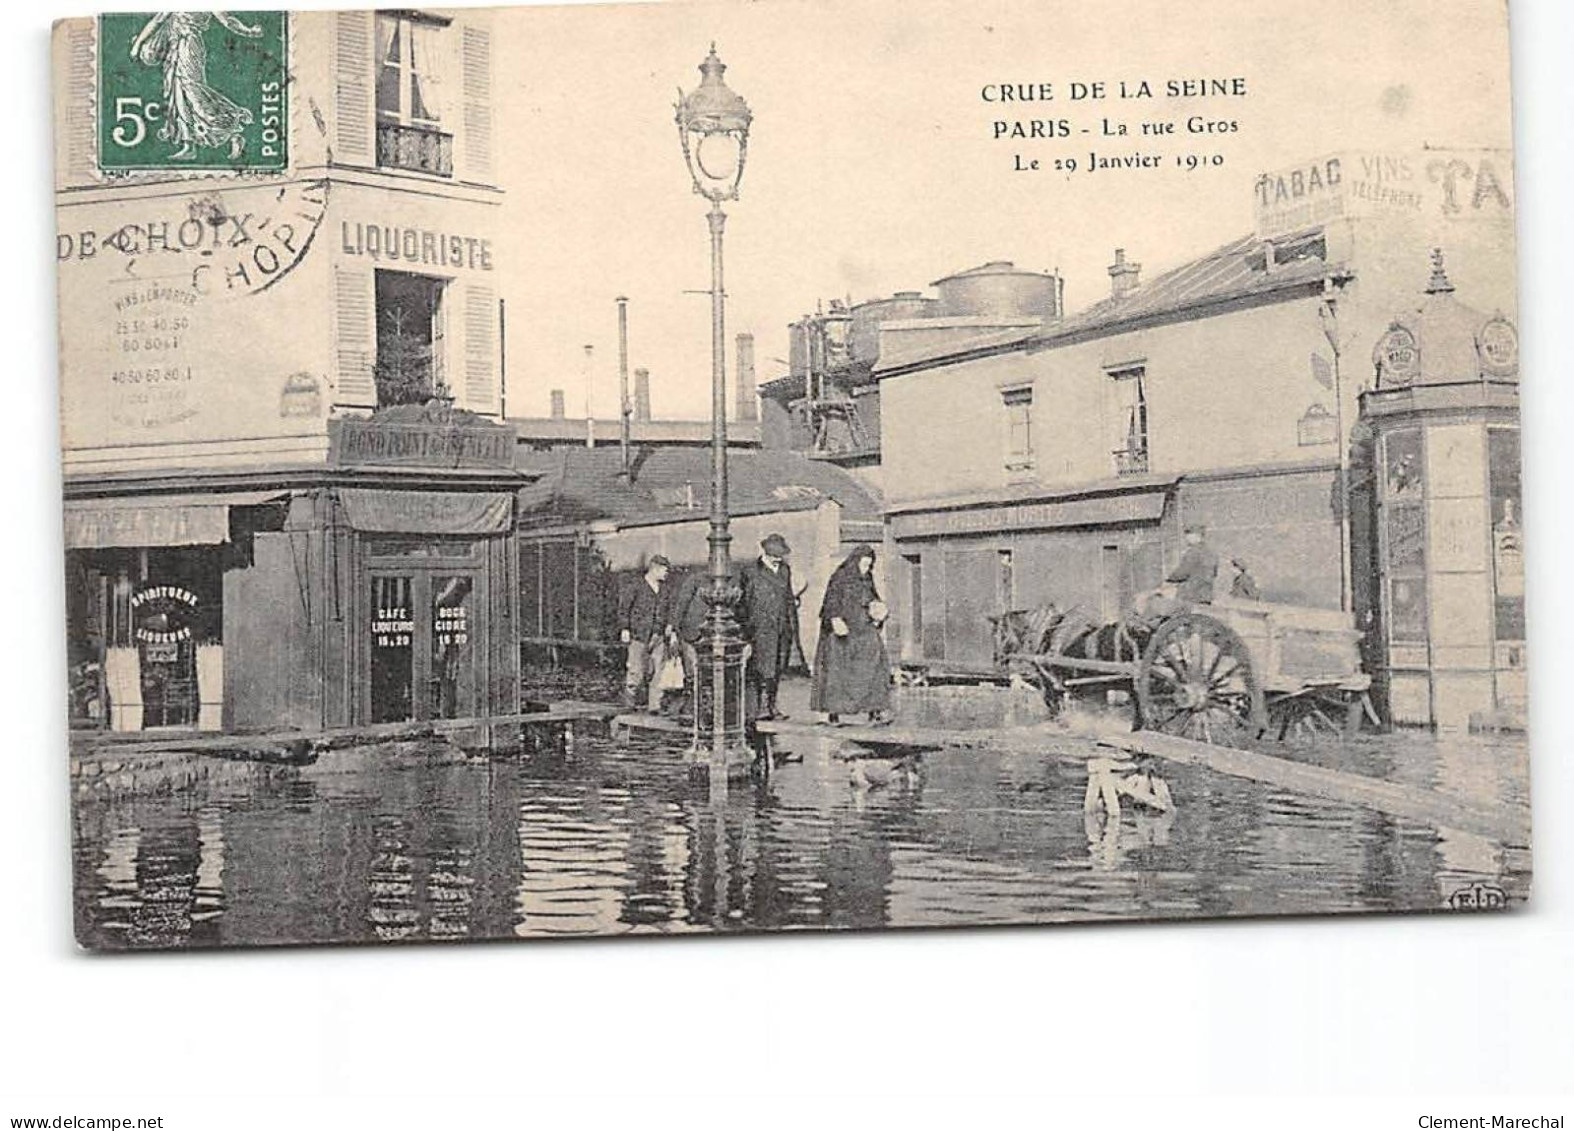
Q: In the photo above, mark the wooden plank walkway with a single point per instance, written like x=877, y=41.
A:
x=912, y=739
x=626, y=722
x=300, y=747
x=1501, y=821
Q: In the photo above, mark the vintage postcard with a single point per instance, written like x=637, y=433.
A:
x=662, y=468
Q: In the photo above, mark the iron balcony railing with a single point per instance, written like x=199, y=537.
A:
x=420, y=149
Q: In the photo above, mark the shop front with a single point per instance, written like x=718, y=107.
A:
x=379, y=588
x=1098, y=547
x=435, y=621
x=145, y=615
x=957, y=565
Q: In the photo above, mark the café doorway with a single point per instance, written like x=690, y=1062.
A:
x=425, y=635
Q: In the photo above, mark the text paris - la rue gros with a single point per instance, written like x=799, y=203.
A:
x=1003, y=96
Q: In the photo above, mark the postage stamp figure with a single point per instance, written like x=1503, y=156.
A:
x=193, y=90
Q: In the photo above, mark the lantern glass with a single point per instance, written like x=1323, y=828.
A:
x=713, y=126
x=717, y=158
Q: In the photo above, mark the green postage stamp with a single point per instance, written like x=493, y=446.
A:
x=193, y=90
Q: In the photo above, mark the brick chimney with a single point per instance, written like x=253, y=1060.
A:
x=558, y=411
x=641, y=394
x=1123, y=275
x=747, y=409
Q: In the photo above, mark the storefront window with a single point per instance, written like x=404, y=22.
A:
x=393, y=649
x=1404, y=541
x=1508, y=563
x=453, y=685
x=145, y=633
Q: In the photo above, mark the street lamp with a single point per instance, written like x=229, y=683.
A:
x=713, y=127
x=1328, y=315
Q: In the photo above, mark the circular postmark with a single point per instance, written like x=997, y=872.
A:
x=162, y=269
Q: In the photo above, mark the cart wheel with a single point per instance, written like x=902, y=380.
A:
x=1196, y=681
x=1319, y=715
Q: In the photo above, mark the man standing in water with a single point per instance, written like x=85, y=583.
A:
x=768, y=612
x=642, y=624
x=687, y=617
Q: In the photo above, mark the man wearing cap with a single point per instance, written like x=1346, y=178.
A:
x=642, y=625
x=687, y=616
x=1243, y=585
x=1198, y=567
x=768, y=613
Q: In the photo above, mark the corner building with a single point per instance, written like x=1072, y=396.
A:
x=1062, y=464
x=289, y=494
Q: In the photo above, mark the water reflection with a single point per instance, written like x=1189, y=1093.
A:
x=614, y=839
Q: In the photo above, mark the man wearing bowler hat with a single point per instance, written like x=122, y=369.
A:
x=768, y=614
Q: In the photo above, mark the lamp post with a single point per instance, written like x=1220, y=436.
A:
x=713, y=128
x=1328, y=315
x=623, y=381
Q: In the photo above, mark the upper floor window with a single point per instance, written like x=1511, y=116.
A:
x=411, y=80
x=411, y=344
x=1019, y=427
x=1130, y=419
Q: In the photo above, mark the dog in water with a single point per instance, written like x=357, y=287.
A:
x=870, y=769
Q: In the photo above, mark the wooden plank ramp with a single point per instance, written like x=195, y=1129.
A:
x=301, y=747
x=626, y=723
x=911, y=739
x=1502, y=822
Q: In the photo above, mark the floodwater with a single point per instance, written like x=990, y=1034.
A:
x=386, y=845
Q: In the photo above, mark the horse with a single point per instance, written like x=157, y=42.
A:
x=1027, y=640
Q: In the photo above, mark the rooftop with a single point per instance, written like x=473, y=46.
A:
x=555, y=430
x=581, y=485
x=1240, y=269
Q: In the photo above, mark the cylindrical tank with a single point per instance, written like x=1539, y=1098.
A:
x=999, y=290
x=867, y=317
x=800, y=347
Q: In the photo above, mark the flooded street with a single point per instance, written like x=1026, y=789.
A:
x=407, y=845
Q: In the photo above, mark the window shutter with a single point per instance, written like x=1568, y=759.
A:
x=476, y=66
x=480, y=393
x=355, y=336
x=354, y=141
x=76, y=113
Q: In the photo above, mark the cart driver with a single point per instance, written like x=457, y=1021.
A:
x=1198, y=568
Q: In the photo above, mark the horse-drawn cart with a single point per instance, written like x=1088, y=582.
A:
x=1220, y=673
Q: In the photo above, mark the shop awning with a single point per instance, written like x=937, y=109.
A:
x=1051, y=514
x=156, y=520
x=375, y=510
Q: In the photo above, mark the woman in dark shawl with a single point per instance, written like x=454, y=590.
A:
x=851, y=672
